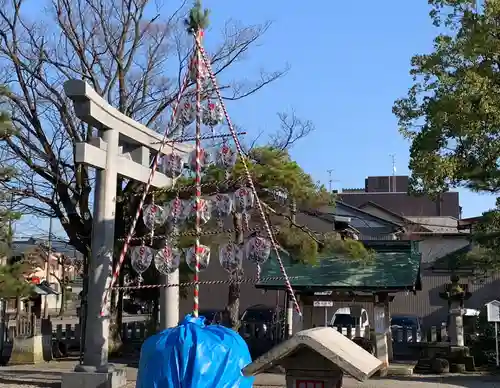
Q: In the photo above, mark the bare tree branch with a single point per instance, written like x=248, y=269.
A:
x=292, y=129
x=129, y=53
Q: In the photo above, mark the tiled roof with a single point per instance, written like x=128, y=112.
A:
x=21, y=246
x=396, y=268
x=406, y=205
x=437, y=224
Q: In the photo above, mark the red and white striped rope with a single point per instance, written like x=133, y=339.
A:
x=206, y=282
x=197, y=246
x=156, y=160
x=249, y=178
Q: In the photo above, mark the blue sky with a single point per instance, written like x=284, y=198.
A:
x=349, y=62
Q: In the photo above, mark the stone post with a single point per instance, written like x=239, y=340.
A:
x=381, y=347
x=103, y=232
x=169, y=301
x=387, y=322
x=456, y=324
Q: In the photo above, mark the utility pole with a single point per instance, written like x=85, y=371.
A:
x=330, y=180
x=49, y=255
x=47, y=268
x=393, y=178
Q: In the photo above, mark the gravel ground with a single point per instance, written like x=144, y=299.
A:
x=48, y=376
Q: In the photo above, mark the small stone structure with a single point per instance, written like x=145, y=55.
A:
x=317, y=357
x=34, y=345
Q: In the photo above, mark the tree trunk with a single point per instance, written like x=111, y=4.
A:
x=233, y=298
x=62, y=285
x=293, y=211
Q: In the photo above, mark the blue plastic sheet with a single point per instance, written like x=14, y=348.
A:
x=193, y=355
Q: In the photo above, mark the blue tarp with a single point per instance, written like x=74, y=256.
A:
x=193, y=355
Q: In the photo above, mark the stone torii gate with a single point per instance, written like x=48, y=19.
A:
x=123, y=147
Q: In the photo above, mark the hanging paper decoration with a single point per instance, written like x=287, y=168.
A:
x=223, y=204
x=205, y=210
x=206, y=159
x=175, y=214
x=186, y=113
x=167, y=259
x=173, y=164
x=213, y=114
x=231, y=258
x=198, y=68
x=153, y=216
x=175, y=210
x=203, y=257
x=226, y=157
x=140, y=259
x=258, y=249
x=243, y=199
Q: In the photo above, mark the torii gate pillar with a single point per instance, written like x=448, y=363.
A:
x=123, y=148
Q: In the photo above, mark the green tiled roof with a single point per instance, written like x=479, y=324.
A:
x=391, y=269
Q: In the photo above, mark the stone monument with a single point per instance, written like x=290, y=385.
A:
x=123, y=147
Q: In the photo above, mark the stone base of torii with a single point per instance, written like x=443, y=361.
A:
x=123, y=148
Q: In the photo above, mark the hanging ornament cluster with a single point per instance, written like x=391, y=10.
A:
x=226, y=157
x=223, y=157
x=213, y=114
x=154, y=216
x=173, y=165
x=178, y=212
x=166, y=259
x=258, y=249
x=231, y=258
x=203, y=257
x=200, y=104
x=140, y=259
x=198, y=68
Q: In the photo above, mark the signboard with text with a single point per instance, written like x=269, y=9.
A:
x=322, y=303
x=493, y=311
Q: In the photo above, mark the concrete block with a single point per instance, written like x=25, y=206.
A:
x=27, y=350
x=115, y=379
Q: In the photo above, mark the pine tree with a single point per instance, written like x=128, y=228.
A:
x=274, y=171
x=12, y=275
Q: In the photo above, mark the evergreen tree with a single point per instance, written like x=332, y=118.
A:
x=451, y=114
x=12, y=275
x=284, y=189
